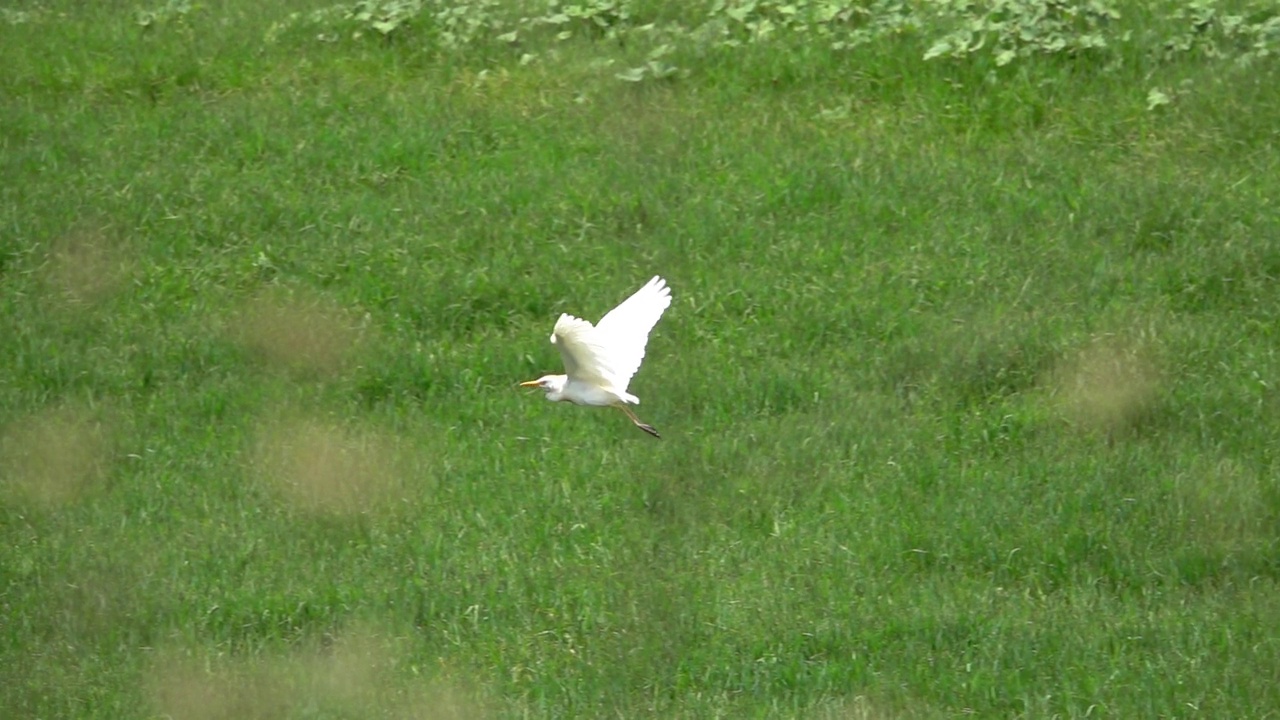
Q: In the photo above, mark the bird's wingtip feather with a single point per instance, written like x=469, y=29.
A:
x=566, y=323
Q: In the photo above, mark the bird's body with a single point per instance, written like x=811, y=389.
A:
x=585, y=393
x=601, y=359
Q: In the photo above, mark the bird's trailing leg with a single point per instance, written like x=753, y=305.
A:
x=647, y=428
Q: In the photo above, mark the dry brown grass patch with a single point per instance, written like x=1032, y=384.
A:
x=1108, y=385
x=85, y=266
x=298, y=333
x=328, y=467
x=360, y=674
x=52, y=457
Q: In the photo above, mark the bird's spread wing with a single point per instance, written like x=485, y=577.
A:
x=585, y=357
x=610, y=352
x=623, y=332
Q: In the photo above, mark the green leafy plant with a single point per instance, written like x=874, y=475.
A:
x=1001, y=31
x=170, y=11
x=841, y=23
x=1205, y=29
x=1012, y=29
x=593, y=18
x=654, y=68
x=385, y=16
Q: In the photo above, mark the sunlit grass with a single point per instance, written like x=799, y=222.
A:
x=968, y=389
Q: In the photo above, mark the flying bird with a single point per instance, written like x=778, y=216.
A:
x=600, y=359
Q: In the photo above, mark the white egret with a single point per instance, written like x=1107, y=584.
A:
x=600, y=360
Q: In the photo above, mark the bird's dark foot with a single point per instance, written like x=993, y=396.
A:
x=649, y=429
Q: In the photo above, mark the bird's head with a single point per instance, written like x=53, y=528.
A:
x=553, y=385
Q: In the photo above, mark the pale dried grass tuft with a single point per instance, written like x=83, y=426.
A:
x=52, y=457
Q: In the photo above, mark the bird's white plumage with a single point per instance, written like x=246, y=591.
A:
x=609, y=353
x=601, y=359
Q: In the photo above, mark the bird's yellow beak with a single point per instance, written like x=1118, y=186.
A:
x=531, y=383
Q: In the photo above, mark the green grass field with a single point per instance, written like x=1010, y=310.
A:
x=969, y=391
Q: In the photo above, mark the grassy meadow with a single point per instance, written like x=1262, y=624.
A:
x=969, y=392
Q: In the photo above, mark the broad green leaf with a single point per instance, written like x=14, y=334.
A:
x=635, y=74
x=660, y=51
x=940, y=48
